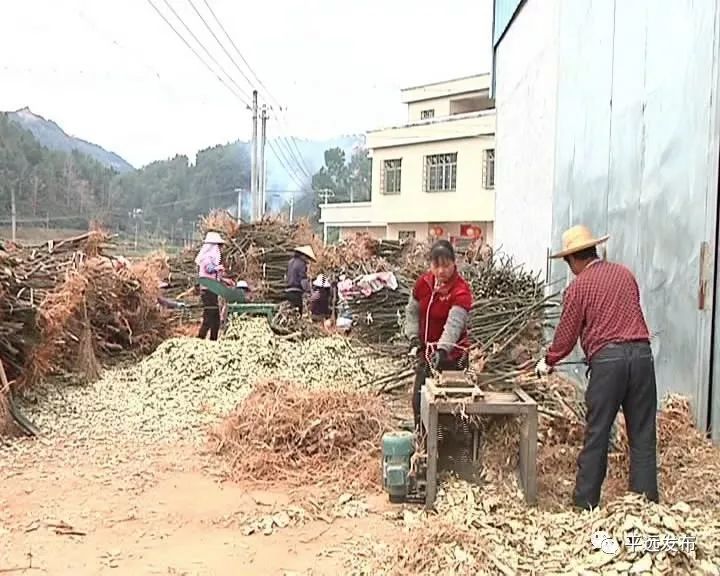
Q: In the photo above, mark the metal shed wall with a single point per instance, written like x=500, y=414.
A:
x=636, y=156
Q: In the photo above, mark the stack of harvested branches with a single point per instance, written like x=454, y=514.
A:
x=283, y=432
x=379, y=317
x=28, y=274
x=98, y=311
x=257, y=253
x=506, y=323
x=64, y=302
x=363, y=254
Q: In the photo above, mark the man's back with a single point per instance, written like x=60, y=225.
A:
x=604, y=302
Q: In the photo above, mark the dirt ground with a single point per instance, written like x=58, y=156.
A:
x=66, y=509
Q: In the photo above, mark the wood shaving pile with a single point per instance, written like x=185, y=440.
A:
x=486, y=528
x=283, y=432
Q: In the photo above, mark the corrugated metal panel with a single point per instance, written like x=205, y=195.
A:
x=636, y=119
x=504, y=10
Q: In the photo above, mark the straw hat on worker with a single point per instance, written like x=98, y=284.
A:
x=306, y=251
x=576, y=239
x=321, y=281
x=213, y=238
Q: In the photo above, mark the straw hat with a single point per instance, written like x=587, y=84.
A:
x=213, y=238
x=321, y=281
x=306, y=251
x=578, y=238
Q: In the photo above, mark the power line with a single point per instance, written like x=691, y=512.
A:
x=301, y=163
x=196, y=53
x=288, y=158
x=290, y=171
x=242, y=91
x=192, y=4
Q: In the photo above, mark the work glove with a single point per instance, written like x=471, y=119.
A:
x=438, y=359
x=542, y=368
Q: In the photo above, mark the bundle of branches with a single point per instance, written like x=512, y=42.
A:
x=101, y=311
x=362, y=254
x=380, y=316
x=259, y=252
x=17, y=318
x=28, y=274
x=283, y=432
x=510, y=307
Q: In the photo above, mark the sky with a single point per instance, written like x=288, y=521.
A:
x=113, y=72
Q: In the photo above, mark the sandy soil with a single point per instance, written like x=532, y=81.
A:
x=126, y=510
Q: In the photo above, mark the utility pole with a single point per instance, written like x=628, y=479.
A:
x=254, y=160
x=261, y=161
x=13, y=212
x=292, y=204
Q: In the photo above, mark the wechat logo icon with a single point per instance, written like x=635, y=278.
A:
x=602, y=540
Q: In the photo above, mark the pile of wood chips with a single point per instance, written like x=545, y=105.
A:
x=66, y=305
x=283, y=432
x=487, y=529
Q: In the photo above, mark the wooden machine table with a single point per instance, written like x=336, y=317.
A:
x=454, y=394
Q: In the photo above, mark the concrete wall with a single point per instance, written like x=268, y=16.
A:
x=441, y=106
x=438, y=130
x=372, y=231
x=352, y=213
x=526, y=90
x=469, y=202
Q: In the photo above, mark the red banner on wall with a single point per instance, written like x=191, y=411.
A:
x=471, y=231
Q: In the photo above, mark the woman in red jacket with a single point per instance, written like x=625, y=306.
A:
x=436, y=318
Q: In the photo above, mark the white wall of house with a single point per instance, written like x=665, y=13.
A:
x=470, y=201
x=526, y=99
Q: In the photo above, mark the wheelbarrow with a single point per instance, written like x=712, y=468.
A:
x=230, y=294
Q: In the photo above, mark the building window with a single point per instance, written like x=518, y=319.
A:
x=406, y=234
x=427, y=114
x=489, y=169
x=392, y=175
x=441, y=172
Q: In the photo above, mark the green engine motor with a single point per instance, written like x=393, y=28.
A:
x=397, y=449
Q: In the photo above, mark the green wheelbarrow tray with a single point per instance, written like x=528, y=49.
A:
x=252, y=309
x=230, y=295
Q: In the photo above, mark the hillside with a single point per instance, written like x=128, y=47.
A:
x=50, y=135
x=60, y=180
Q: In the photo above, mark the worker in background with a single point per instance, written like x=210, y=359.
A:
x=297, y=276
x=320, y=297
x=601, y=306
x=209, y=262
x=243, y=286
x=436, y=319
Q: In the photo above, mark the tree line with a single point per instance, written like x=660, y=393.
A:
x=71, y=190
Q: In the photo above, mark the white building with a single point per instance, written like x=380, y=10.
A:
x=434, y=175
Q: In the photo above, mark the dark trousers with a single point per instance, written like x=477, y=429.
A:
x=422, y=371
x=211, y=315
x=296, y=299
x=620, y=375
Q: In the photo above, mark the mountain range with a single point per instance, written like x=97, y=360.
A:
x=311, y=152
x=50, y=135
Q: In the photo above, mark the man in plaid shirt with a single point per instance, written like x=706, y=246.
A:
x=601, y=307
